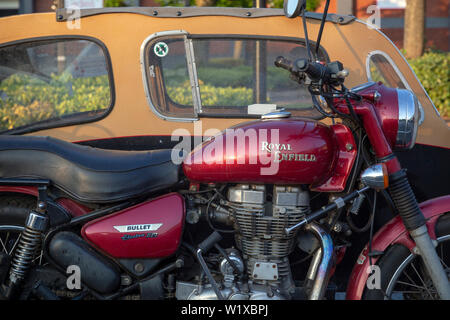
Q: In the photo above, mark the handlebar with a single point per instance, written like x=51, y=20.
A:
x=333, y=73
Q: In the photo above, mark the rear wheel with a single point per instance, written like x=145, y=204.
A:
x=403, y=274
x=14, y=210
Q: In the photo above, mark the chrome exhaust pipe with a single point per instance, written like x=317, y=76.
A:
x=319, y=271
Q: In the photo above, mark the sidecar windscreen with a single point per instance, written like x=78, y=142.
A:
x=225, y=77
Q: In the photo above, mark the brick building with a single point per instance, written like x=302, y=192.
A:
x=391, y=12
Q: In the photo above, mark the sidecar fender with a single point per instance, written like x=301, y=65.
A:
x=393, y=232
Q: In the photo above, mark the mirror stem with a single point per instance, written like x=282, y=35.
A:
x=319, y=37
x=305, y=28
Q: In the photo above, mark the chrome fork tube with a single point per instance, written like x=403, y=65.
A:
x=431, y=261
x=320, y=267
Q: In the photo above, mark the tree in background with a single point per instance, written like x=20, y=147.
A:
x=414, y=31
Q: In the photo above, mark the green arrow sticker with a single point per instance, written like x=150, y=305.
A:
x=161, y=49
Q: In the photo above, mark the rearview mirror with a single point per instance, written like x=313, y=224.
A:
x=294, y=8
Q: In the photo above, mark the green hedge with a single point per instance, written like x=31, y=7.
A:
x=211, y=96
x=25, y=99
x=433, y=71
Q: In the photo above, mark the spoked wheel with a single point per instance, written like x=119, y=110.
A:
x=411, y=281
x=403, y=274
x=13, y=213
x=9, y=238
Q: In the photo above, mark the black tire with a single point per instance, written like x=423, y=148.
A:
x=14, y=209
x=396, y=261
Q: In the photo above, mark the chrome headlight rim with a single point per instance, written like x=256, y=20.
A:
x=408, y=119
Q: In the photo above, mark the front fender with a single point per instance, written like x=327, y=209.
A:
x=394, y=232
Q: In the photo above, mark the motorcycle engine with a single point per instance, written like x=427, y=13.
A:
x=264, y=247
x=260, y=231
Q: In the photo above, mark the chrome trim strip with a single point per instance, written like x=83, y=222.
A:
x=63, y=14
x=399, y=74
x=407, y=119
x=193, y=76
x=279, y=114
x=412, y=71
x=389, y=59
x=144, y=73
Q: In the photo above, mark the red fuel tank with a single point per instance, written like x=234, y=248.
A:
x=284, y=151
x=151, y=229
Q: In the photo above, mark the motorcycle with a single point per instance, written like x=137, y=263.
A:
x=229, y=221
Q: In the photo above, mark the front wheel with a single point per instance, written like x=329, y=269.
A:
x=403, y=274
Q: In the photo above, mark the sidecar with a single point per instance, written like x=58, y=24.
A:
x=135, y=78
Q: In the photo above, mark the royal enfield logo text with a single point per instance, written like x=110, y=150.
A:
x=276, y=148
x=266, y=146
x=232, y=146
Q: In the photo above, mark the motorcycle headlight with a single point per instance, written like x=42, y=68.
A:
x=408, y=119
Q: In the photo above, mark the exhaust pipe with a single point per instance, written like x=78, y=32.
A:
x=319, y=271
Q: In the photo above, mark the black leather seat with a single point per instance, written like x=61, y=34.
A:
x=85, y=173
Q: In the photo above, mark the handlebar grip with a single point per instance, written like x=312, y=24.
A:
x=312, y=69
x=315, y=70
x=284, y=63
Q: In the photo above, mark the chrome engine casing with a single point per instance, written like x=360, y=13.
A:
x=231, y=288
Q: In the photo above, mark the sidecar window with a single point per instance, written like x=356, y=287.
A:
x=51, y=83
x=229, y=76
x=380, y=67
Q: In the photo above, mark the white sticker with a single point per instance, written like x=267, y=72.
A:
x=260, y=109
x=161, y=49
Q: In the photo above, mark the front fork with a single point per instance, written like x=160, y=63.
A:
x=414, y=221
x=403, y=196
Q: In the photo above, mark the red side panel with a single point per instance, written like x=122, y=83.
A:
x=25, y=190
x=148, y=230
x=346, y=155
x=393, y=232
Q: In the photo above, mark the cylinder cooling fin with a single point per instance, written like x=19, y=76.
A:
x=260, y=226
